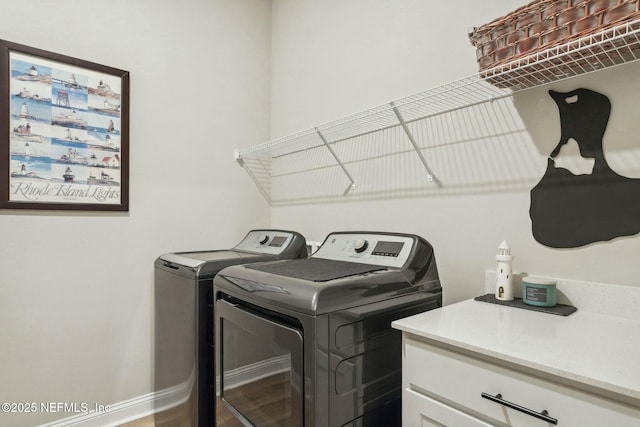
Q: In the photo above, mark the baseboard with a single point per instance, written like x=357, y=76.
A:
x=255, y=371
x=143, y=406
x=112, y=415
x=131, y=409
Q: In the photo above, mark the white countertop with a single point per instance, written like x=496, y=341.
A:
x=599, y=351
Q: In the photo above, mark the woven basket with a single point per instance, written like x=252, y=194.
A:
x=543, y=24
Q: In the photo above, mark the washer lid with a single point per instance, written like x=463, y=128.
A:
x=257, y=245
x=196, y=259
x=316, y=269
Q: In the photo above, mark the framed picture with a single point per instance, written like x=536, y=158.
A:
x=64, y=132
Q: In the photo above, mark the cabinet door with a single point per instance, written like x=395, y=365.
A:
x=449, y=376
x=419, y=410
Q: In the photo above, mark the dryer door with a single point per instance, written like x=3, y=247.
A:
x=260, y=357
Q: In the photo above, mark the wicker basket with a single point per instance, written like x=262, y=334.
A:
x=543, y=24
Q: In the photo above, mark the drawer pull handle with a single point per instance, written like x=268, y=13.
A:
x=544, y=415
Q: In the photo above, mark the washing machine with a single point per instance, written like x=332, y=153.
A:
x=309, y=343
x=184, y=374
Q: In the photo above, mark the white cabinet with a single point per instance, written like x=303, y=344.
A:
x=420, y=410
x=444, y=387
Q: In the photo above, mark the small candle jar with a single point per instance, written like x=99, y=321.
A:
x=539, y=291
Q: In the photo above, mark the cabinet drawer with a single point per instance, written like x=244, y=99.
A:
x=458, y=381
x=421, y=411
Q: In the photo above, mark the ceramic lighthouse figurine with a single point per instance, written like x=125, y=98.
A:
x=504, y=280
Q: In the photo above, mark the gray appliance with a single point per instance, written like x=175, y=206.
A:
x=309, y=342
x=184, y=375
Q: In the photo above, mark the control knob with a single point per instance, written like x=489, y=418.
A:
x=360, y=245
x=263, y=238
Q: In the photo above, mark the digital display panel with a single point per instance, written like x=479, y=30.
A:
x=388, y=248
x=277, y=241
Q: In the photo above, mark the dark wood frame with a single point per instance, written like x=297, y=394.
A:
x=6, y=48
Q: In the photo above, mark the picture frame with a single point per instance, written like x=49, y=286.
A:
x=64, y=132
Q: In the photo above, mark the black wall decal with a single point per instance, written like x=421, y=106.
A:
x=569, y=211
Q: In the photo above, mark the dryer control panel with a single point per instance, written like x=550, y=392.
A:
x=265, y=241
x=389, y=250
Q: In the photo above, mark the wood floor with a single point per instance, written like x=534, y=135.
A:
x=143, y=422
x=263, y=399
x=224, y=417
x=173, y=418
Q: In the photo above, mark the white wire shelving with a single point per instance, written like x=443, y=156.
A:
x=404, y=117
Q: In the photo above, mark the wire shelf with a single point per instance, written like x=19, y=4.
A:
x=603, y=50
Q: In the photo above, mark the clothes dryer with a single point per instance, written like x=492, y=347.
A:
x=309, y=343
x=184, y=375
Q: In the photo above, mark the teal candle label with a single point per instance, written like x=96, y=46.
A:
x=536, y=294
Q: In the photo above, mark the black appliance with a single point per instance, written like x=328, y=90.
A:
x=184, y=375
x=309, y=343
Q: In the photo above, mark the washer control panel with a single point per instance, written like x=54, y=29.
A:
x=390, y=250
x=265, y=241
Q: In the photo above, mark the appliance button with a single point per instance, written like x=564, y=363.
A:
x=360, y=245
x=263, y=238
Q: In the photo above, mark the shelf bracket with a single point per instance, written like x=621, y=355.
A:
x=256, y=181
x=430, y=175
x=333, y=153
x=237, y=157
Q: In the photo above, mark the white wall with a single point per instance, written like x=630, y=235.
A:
x=76, y=288
x=334, y=58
